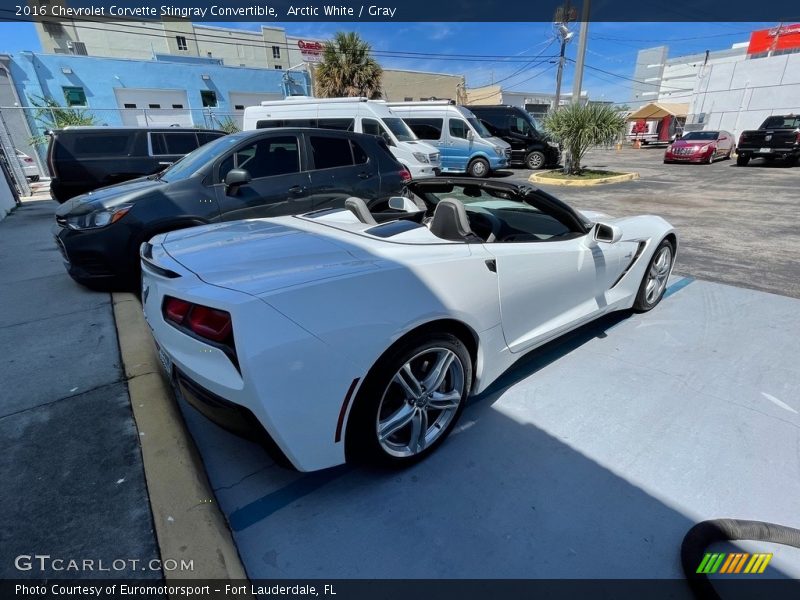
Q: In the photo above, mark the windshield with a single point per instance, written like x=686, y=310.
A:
x=534, y=122
x=478, y=127
x=195, y=160
x=400, y=130
x=700, y=135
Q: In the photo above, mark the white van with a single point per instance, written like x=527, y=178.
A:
x=465, y=145
x=350, y=114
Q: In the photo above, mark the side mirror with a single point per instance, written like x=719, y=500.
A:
x=404, y=204
x=388, y=139
x=236, y=178
x=608, y=234
x=470, y=135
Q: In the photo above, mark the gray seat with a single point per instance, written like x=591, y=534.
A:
x=359, y=208
x=450, y=222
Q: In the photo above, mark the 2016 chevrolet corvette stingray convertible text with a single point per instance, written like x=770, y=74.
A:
x=341, y=337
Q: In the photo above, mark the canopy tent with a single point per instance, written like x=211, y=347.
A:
x=659, y=110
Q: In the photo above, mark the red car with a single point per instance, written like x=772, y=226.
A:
x=700, y=147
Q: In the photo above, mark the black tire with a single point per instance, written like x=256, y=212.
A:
x=644, y=301
x=479, y=167
x=742, y=161
x=380, y=396
x=536, y=160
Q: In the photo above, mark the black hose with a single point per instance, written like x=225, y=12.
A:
x=705, y=533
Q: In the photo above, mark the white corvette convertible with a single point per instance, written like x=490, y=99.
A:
x=347, y=334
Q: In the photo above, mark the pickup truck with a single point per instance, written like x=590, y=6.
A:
x=778, y=137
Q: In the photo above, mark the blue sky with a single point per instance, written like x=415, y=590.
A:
x=612, y=47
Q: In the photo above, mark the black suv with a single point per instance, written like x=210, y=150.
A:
x=529, y=146
x=262, y=173
x=82, y=159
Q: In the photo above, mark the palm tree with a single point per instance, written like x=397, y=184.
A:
x=579, y=127
x=347, y=69
x=49, y=114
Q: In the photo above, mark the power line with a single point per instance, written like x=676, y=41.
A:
x=658, y=85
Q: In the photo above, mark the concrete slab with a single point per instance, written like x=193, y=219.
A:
x=70, y=465
x=73, y=487
x=60, y=356
x=605, y=445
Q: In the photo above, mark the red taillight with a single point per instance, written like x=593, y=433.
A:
x=209, y=323
x=175, y=310
x=405, y=175
x=797, y=137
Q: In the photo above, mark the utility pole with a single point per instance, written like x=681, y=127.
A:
x=577, y=81
x=562, y=20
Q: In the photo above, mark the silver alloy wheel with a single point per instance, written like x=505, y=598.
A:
x=535, y=160
x=420, y=402
x=478, y=168
x=658, y=275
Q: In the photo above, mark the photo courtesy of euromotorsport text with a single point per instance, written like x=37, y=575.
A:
x=431, y=301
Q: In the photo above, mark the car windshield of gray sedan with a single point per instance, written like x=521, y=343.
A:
x=700, y=136
x=196, y=159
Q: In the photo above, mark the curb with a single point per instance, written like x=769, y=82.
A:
x=537, y=178
x=189, y=524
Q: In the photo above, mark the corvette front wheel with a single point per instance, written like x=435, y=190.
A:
x=654, y=282
x=410, y=401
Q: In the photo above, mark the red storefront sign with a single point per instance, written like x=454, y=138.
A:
x=776, y=38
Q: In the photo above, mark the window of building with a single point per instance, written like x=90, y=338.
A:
x=154, y=105
x=177, y=106
x=129, y=105
x=408, y=99
x=181, y=40
x=238, y=107
x=279, y=67
x=276, y=52
x=331, y=152
x=75, y=96
x=209, y=98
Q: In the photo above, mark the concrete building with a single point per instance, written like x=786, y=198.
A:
x=536, y=103
x=267, y=48
x=184, y=91
x=733, y=89
x=406, y=86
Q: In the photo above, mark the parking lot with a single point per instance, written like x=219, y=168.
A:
x=590, y=458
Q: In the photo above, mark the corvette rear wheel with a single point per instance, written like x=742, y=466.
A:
x=654, y=283
x=410, y=401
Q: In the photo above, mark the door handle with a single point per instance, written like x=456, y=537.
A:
x=296, y=190
x=165, y=163
x=365, y=175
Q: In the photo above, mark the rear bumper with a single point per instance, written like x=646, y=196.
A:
x=773, y=153
x=232, y=417
x=424, y=171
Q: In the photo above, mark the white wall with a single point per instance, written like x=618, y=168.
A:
x=739, y=96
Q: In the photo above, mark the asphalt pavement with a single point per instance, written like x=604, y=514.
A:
x=736, y=223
